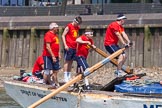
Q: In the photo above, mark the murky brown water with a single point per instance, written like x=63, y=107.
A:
x=6, y=101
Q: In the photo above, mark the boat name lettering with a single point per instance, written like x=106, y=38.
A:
x=27, y=92
x=152, y=106
x=30, y=93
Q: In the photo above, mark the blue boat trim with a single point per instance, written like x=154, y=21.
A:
x=86, y=73
x=105, y=61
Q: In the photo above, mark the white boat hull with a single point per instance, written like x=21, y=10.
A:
x=26, y=95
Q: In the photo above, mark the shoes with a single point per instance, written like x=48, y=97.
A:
x=67, y=76
x=57, y=85
x=70, y=89
x=119, y=73
x=52, y=87
x=88, y=87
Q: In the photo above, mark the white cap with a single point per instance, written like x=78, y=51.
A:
x=52, y=25
x=121, y=16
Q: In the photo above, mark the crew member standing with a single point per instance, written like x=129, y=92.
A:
x=69, y=40
x=114, y=33
x=51, y=54
x=84, y=45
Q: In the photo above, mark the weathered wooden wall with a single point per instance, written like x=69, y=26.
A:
x=20, y=48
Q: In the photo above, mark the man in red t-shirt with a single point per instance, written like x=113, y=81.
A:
x=82, y=52
x=51, y=54
x=114, y=33
x=38, y=67
x=83, y=49
x=69, y=40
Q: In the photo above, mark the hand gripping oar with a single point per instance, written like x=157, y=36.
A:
x=78, y=78
x=113, y=61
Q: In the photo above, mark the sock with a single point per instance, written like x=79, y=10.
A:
x=69, y=75
x=66, y=76
x=86, y=83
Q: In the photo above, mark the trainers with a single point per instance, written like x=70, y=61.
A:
x=52, y=87
x=57, y=85
x=88, y=87
x=119, y=73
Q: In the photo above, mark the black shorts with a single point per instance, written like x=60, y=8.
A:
x=82, y=64
x=49, y=64
x=113, y=48
x=70, y=54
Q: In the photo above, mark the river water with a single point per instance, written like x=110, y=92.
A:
x=6, y=101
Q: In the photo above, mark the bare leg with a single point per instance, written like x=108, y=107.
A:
x=67, y=70
x=120, y=61
x=124, y=59
x=54, y=77
x=46, y=77
x=68, y=65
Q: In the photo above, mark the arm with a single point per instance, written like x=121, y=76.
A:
x=120, y=38
x=125, y=36
x=42, y=65
x=48, y=47
x=63, y=37
x=59, y=55
x=79, y=40
x=92, y=47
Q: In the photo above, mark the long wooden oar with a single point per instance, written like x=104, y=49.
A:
x=78, y=78
x=113, y=61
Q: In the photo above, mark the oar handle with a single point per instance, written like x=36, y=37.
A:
x=113, y=61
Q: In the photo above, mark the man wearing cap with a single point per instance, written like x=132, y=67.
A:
x=114, y=33
x=69, y=40
x=51, y=54
x=84, y=42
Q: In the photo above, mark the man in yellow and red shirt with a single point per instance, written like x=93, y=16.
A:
x=114, y=33
x=84, y=42
x=83, y=49
x=69, y=40
x=51, y=54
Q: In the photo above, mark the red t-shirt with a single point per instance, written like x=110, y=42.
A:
x=37, y=65
x=54, y=44
x=111, y=37
x=72, y=35
x=83, y=49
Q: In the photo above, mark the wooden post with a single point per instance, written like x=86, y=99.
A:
x=141, y=48
x=41, y=41
x=147, y=46
x=5, y=45
x=32, y=47
x=26, y=47
x=61, y=44
x=12, y=54
x=1, y=37
x=19, y=50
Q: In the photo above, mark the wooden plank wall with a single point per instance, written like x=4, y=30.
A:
x=20, y=48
